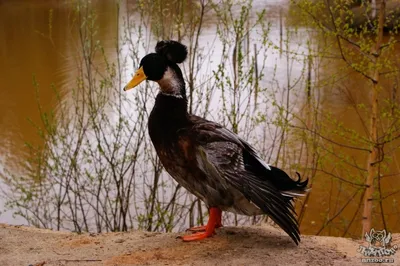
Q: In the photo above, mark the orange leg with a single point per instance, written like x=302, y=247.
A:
x=214, y=221
x=203, y=228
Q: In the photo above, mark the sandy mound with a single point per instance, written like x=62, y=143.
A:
x=266, y=245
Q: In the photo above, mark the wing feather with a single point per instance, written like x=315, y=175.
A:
x=224, y=156
x=262, y=193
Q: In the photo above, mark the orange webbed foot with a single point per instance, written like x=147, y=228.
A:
x=196, y=236
x=201, y=228
x=197, y=228
x=201, y=232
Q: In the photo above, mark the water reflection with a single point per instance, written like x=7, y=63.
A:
x=37, y=40
x=44, y=44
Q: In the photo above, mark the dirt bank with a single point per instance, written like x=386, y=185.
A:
x=262, y=245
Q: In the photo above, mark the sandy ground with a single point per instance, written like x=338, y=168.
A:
x=262, y=245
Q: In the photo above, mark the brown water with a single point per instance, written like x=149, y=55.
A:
x=37, y=41
x=29, y=46
x=339, y=99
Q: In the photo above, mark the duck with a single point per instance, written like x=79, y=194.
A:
x=208, y=160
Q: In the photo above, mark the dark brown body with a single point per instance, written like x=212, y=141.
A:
x=176, y=145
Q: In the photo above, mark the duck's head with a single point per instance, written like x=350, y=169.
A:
x=162, y=68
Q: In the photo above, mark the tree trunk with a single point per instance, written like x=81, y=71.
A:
x=374, y=154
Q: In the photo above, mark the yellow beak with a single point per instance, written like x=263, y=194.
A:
x=136, y=80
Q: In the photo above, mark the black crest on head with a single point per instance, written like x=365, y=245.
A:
x=154, y=66
x=172, y=50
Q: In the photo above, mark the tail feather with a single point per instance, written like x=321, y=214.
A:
x=270, y=201
x=284, y=182
x=300, y=188
x=272, y=190
x=276, y=176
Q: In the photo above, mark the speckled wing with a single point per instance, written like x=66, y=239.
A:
x=220, y=155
